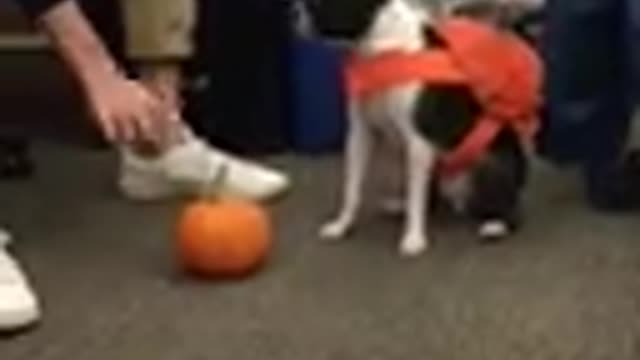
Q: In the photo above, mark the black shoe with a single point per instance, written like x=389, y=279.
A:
x=15, y=160
x=616, y=189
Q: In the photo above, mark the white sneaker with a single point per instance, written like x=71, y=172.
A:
x=19, y=306
x=187, y=168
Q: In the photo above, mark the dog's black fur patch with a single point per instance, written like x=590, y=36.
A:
x=445, y=114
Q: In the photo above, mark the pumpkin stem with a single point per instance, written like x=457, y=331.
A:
x=211, y=188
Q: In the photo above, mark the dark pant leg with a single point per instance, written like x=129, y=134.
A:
x=633, y=46
x=588, y=112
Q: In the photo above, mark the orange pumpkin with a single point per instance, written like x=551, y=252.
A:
x=223, y=238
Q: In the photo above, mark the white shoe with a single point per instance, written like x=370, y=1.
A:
x=186, y=169
x=19, y=306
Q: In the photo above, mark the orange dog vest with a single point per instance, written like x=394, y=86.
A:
x=503, y=72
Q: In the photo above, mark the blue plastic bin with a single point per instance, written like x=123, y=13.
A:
x=318, y=120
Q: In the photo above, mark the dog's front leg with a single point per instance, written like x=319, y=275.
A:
x=358, y=148
x=420, y=162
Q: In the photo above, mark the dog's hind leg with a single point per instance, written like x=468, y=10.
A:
x=420, y=165
x=391, y=160
x=358, y=149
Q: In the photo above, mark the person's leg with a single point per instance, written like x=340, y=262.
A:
x=633, y=46
x=588, y=106
x=632, y=34
x=612, y=176
x=19, y=306
x=158, y=39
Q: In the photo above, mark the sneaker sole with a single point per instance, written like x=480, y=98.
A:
x=173, y=192
x=273, y=196
x=143, y=192
x=20, y=323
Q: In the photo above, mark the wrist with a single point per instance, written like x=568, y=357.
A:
x=95, y=73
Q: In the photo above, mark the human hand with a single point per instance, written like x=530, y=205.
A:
x=127, y=111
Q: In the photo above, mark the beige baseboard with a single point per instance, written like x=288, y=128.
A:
x=22, y=42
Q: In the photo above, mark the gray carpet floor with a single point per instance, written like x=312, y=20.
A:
x=567, y=287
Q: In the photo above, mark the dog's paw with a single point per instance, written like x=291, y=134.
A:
x=334, y=230
x=493, y=230
x=413, y=245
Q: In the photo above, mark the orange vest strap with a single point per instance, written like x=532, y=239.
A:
x=471, y=149
x=365, y=76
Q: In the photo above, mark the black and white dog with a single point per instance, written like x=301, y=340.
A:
x=420, y=123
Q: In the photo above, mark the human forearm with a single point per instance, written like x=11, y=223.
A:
x=77, y=43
